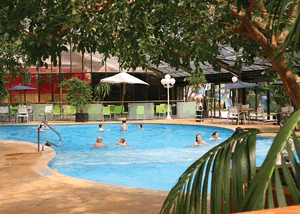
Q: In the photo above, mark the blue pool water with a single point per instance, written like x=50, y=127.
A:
x=155, y=158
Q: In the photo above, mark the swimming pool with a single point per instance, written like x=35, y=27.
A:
x=155, y=158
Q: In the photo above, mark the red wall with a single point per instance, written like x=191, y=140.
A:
x=45, y=78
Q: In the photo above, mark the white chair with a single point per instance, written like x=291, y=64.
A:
x=30, y=112
x=245, y=114
x=4, y=113
x=233, y=113
x=284, y=109
x=22, y=112
x=291, y=109
x=264, y=118
x=48, y=110
x=245, y=106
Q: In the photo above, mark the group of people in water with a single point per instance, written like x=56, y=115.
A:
x=121, y=140
x=201, y=142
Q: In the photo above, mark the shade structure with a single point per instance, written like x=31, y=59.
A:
x=21, y=88
x=123, y=78
x=239, y=84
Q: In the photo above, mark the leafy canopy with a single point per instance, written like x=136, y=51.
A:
x=78, y=92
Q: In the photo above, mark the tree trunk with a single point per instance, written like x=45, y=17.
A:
x=289, y=79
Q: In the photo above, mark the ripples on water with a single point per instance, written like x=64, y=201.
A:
x=155, y=158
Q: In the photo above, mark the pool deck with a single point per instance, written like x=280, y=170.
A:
x=28, y=185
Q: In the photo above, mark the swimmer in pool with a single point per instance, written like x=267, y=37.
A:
x=121, y=142
x=215, y=136
x=101, y=127
x=99, y=142
x=199, y=141
x=140, y=126
x=124, y=125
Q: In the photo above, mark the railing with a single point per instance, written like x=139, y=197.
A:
x=43, y=145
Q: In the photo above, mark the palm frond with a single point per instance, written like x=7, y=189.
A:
x=236, y=184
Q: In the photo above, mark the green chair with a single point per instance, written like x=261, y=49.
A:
x=70, y=111
x=13, y=111
x=159, y=109
x=123, y=110
x=106, y=111
x=140, y=110
x=56, y=112
x=117, y=110
x=166, y=108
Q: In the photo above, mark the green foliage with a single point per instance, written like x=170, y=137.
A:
x=10, y=56
x=197, y=77
x=102, y=90
x=79, y=92
x=237, y=180
x=3, y=92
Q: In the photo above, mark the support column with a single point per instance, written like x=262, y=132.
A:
x=39, y=89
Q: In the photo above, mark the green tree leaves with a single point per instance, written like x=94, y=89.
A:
x=78, y=92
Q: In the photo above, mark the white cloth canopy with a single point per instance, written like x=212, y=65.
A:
x=123, y=77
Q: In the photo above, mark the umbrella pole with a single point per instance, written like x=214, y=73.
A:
x=20, y=97
x=123, y=99
x=24, y=97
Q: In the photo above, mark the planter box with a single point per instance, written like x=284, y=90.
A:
x=81, y=117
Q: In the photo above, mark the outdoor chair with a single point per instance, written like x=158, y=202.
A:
x=233, y=113
x=4, y=113
x=245, y=115
x=106, y=111
x=160, y=110
x=123, y=110
x=48, y=110
x=264, y=118
x=13, y=112
x=30, y=112
x=22, y=113
x=166, y=108
x=56, y=112
x=245, y=106
x=70, y=111
x=140, y=110
x=117, y=110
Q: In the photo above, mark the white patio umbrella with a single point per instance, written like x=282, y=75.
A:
x=123, y=78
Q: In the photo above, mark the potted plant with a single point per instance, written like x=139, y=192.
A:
x=102, y=90
x=79, y=93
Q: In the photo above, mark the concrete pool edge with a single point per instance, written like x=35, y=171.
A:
x=25, y=172
x=55, y=178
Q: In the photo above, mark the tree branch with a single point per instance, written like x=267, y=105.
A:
x=263, y=9
x=283, y=35
x=251, y=7
x=254, y=33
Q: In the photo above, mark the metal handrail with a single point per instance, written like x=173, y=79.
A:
x=43, y=145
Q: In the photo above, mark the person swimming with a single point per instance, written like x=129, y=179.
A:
x=140, y=126
x=99, y=142
x=121, y=142
x=124, y=125
x=101, y=127
x=199, y=141
x=215, y=136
